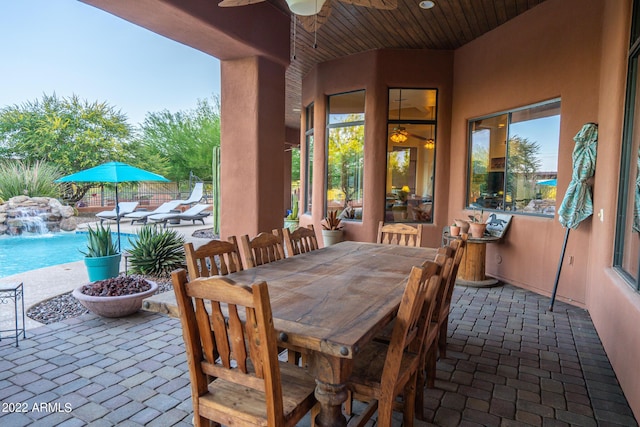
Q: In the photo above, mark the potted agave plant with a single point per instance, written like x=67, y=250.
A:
x=101, y=258
x=154, y=253
x=332, y=232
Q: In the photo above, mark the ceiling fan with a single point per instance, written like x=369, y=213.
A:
x=313, y=13
x=400, y=134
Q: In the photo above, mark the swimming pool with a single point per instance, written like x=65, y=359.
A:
x=20, y=254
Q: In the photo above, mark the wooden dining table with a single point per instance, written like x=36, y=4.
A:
x=329, y=303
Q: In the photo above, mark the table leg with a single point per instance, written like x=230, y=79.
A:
x=331, y=373
x=331, y=397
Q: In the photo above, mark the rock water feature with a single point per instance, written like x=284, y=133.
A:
x=35, y=215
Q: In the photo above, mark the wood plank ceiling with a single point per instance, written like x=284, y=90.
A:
x=353, y=29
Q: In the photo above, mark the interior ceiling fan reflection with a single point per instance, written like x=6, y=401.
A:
x=313, y=13
x=400, y=134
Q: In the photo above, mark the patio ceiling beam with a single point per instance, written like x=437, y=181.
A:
x=225, y=33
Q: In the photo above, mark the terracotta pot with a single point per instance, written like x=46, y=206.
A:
x=477, y=229
x=454, y=230
x=119, y=306
x=463, y=224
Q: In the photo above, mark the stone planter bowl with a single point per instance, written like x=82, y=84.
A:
x=118, y=306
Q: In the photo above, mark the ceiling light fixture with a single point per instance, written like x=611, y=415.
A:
x=399, y=135
x=305, y=7
x=430, y=144
x=426, y=4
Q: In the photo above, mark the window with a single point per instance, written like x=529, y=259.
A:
x=627, y=244
x=345, y=155
x=514, y=160
x=308, y=164
x=411, y=148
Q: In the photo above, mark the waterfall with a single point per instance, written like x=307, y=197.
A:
x=26, y=220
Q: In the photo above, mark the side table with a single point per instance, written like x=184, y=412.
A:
x=472, y=267
x=13, y=292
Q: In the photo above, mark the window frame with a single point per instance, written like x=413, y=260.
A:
x=309, y=140
x=508, y=113
x=631, y=98
x=328, y=128
x=429, y=122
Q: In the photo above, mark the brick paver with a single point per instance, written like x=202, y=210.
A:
x=509, y=363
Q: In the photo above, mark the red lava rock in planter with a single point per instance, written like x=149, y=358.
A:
x=116, y=297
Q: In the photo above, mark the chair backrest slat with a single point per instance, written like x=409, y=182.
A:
x=301, y=240
x=214, y=258
x=399, y=234
x=262, y=249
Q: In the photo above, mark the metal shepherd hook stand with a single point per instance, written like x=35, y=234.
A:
x=577, y=204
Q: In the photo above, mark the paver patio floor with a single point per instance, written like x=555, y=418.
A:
x=510, y=362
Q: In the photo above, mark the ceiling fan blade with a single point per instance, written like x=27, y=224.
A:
x=413, y=135
x=313, y=22
x=233, y=3
x=375, y=4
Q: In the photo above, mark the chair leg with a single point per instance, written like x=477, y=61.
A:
x=431, y=367
x=314, y=413
x=442, y=338
x=420, y=385
x=409, y=402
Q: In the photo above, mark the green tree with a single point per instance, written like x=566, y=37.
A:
x=178, y=143
x=523, y=164
x=65, y=132
x=346, y=161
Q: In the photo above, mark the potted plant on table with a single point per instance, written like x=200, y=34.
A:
x=454, y=230
x=477, y=226
x=332, y=232
x=101, y=258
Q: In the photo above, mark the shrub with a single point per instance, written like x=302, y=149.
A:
x=18, y=178
x=157, y=251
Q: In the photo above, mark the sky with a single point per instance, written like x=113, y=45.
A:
x=67, y=47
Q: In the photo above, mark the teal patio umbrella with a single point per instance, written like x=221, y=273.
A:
x=113, y=172
x=577, y=204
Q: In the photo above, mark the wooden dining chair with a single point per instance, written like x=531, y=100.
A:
x=214, y=258
x=262, y=249
x=448, y=258
x=399, y=234
x=459, y=246
x=300, y=241
x=236, y=378
x=382, y=371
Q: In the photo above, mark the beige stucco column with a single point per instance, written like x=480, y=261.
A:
x=252, y=144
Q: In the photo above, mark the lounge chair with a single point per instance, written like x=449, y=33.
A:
x=123, y=207
x=196, y=195
x=141, y=216
x=196, y=213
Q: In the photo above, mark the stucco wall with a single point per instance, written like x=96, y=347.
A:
x=532, y=58
x=613, y=305
x=376, y=72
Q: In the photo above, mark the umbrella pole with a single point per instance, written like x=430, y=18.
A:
x=555, y=285
x=118, y=217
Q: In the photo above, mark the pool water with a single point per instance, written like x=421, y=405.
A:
x=20, y=254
